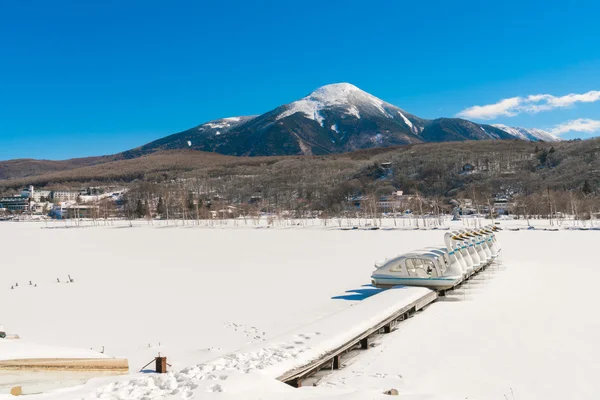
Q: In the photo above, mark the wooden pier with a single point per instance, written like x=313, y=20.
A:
x=333, y=358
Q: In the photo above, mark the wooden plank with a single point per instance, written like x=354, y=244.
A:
x=73, y=364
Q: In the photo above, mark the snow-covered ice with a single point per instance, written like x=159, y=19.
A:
x=212, y=298
x=17, y=349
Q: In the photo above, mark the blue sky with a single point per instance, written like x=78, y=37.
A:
x=80, y=78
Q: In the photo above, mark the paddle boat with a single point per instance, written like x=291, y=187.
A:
x=461, y=246
x=475, y=247
x=422, y=268
x=452, y=257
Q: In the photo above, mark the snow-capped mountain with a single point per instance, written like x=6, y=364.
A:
x=333, y=119
x=349, y=100
x=531, y=134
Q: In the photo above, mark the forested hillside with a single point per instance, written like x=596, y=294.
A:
x=440, y=170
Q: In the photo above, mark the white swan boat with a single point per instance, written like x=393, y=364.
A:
x=424, y=268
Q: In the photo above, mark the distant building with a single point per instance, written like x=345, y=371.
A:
x=68, y=210
x=95, y=191
x=36, y=195
x=502, y=205
x=64, y=195
x=59, y=211
x=27, y=192
x=40, y=208
x=15, y=204
x=397, y=201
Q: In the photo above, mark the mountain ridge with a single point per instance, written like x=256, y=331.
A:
x=334, y=118
x=531, y=134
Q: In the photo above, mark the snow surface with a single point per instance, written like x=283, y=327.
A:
x=406, y=120
x=352, y=110
x=217, y=125
x=230, y=276
x=530, y=134
x=342, y=95
x=281, y=354
x=214, y=298
x=17, y=349
x=224, y=123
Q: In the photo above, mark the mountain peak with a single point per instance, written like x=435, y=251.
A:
x=343, y=93
x=335, y=91
x=353, y=101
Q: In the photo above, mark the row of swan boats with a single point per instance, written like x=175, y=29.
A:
x=465, y=253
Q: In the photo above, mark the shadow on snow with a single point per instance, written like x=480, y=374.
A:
x=364, y=292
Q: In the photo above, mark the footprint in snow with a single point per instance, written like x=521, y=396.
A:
x=379, y=375
x=215, y=388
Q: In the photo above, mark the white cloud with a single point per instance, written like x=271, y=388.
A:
x=577, y=125
x=531, y=104
x=506, y=107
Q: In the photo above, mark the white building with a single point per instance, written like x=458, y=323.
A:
x=64, y=195
x=35, y=195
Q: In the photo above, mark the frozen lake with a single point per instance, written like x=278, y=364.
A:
x=522, y=329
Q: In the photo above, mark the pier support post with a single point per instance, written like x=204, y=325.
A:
x=387, y=328
x=337, y=362
x=364, y=343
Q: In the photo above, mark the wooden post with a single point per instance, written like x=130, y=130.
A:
x=161, y=365
x=364, y=343
x=387, y=328
x=337, y=361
